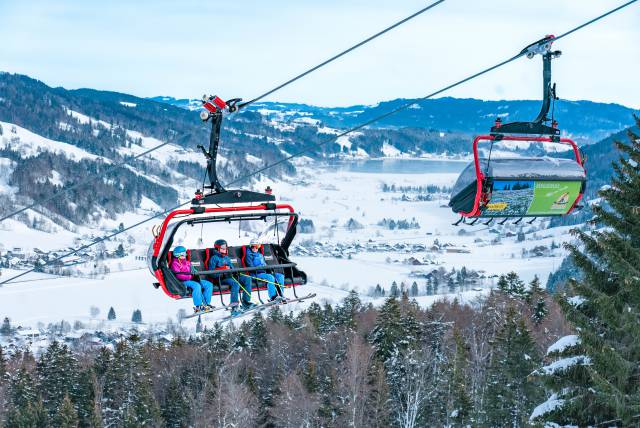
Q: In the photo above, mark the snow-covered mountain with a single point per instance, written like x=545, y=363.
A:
x=585, y=121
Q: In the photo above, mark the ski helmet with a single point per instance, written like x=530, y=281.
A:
x=221, y=246
x=179, y=251
x=254, y=243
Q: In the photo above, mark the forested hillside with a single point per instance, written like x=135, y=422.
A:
x=349, y=365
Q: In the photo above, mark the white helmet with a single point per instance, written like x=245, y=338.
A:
x=253, y=242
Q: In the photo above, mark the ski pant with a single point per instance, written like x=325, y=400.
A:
x=200, y=291
x=234, y=286
x=271, y=288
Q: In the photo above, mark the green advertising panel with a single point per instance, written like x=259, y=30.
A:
x=553, y=197
x=530, y=197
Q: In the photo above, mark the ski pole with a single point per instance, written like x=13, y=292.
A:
x=279, y=287
x=263, y=280
x=243, y=289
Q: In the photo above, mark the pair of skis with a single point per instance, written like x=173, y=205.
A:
x=248, y=311
x=263, y=306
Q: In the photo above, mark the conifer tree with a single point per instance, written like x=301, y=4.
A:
x=217, y=342
x=535, y=297
x=112, y=314
x=535, y=290
x=26, y=408
x=57, y=376
x=199, y=327
x=511, y=395
x=599, y=381
x=386, y=334
x=102, y=362
x=275, y=314
x=459, y=403
x=310, y=376
x=66, y=416
x=136, y=317
x=6, y=329
x=435, y=412
x=3, y=366
x=414, y=289
x=450, y=283
x=84, y=399
x=511, y=284
x=395, y=291
x=127, y=393
x=378, y=291
x=257, y=334
x=22, y=388
x=396, y=338
x=377, y=399
x=314, y=312
x=175, y=410
x=346, y=313
x=540, y=310
x=327, y=320
x=240, y=341
x=32, y=415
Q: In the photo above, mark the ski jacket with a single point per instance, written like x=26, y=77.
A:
x=255, y=259
x=182, y=269
x=219, y=262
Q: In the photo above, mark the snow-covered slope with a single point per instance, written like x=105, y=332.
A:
x=329, y=197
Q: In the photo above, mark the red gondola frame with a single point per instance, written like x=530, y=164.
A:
x=159, y=238
x=480, y=178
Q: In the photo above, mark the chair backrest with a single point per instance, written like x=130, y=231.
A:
x=235, y=254
x=269, y=255
x=198, y=259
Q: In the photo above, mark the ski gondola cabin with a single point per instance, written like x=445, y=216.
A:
x=195, y=219
x=519, y=187
x=522, y=187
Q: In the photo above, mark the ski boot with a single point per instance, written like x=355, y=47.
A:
x=208, y=308
x=248, y=305
x=197, y=309
x=236, y=310
x=277, y=300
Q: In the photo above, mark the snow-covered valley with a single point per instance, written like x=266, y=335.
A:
x=350, y=248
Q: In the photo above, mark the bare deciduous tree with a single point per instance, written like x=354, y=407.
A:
x=296, y=407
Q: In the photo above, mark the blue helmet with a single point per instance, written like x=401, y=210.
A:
x=179, y=250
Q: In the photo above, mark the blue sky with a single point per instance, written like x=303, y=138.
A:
x=242, y=48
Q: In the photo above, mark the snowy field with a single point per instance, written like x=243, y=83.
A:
x=329, y=196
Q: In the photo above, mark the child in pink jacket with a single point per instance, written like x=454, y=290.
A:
x=182, y=269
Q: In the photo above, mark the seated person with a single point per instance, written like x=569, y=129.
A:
x=221, y=261
x=200, y=291
x=255, y=258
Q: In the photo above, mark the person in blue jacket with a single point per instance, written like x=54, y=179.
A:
x=255, y=258
x=221, y=261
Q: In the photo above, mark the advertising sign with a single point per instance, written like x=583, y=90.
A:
x=530, y=197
